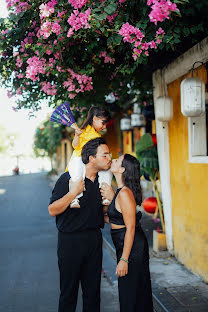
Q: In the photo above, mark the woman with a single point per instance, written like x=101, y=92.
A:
x=135, y=294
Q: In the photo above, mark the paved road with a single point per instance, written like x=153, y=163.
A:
x=28, y=264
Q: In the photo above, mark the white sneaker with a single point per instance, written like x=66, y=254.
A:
x=75, y=203
x=106, y=202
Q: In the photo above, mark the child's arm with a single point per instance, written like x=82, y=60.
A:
x=75, y=141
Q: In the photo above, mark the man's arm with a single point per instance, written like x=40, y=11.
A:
x=60, y=205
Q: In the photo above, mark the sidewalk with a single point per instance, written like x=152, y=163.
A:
x=175, y=288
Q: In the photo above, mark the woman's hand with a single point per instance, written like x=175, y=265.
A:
x=122, y=268
x=78, y=131
x=106, y=191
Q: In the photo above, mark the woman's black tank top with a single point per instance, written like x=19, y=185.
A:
x=116, y=216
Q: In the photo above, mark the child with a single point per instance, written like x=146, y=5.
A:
x=93, y=124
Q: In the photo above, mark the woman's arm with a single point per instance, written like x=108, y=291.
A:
x=127, y=205
x=75, y=141
x=61, y=204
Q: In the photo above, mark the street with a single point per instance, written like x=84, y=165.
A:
x=29, y=276
x=28, y=263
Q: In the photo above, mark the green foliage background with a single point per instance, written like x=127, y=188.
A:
x=47, y=138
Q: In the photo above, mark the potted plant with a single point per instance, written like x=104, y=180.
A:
x=146, y=152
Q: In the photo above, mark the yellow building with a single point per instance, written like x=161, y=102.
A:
x=183, y=160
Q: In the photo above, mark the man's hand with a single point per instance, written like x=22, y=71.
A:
x=77, y=187
x=107, y=191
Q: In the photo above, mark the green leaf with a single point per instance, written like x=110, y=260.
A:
x=96, y=10
x=144, y=143
x=101, y=17
x=111, y=8
x=193, y=30
x=186, y=31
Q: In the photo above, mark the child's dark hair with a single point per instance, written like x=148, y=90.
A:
x=98, y=112
x=131, y=176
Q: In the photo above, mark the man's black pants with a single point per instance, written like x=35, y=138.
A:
x=80, y=259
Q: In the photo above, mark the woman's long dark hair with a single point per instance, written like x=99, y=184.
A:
x=98, y=112
x=131, y=176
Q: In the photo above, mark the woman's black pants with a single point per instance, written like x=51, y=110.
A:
x=80, y=260
x=135, y=293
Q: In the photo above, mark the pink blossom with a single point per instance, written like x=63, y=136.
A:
x=48, y=88
x=145, y=46
x=70, y=32
x=49, y=52
x=17, y=5
x=56, y=28
x=160, y=10
x=19, y=91
x=15, y=54
x=51, y=60
x=107, y=59
x=77, y=4
x=59, y=68
x=130, y=33
x=71, y=95
x=78, y=20
x=20, y=76
x=112, y=17
x=46, y=10
x=45, y=29
x=4, y=32
x=60, y=14
x=136, y=53
x=160, y=31
x=9, y=94
x=152, y=45
x=158, y=41
x=84, y=81
x=35, y=66
x=19, y=62
x=33, y=24
x=57, y=55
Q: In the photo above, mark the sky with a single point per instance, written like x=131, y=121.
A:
x=19, y=122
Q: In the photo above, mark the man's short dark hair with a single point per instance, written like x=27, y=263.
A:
x=90, y=149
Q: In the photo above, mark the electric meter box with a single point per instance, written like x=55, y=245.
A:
x=192, y=97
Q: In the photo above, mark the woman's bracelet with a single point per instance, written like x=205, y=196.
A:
x=124, y=260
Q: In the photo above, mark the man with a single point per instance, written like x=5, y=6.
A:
x=79, y=235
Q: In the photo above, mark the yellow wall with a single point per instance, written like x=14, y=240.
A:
x=64, y=154
x=127, y=142
x=112, y=138
x=189, y=189
x=130, y=139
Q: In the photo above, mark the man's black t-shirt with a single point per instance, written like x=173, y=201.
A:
x=90, y=213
